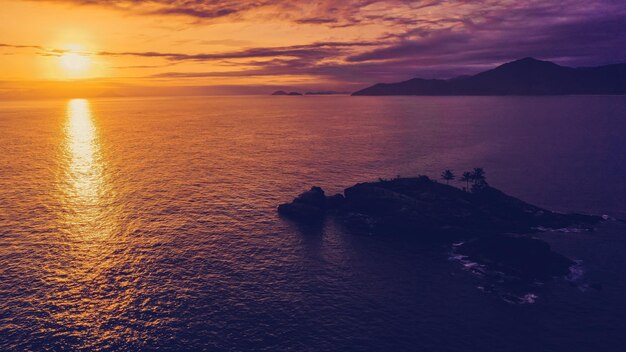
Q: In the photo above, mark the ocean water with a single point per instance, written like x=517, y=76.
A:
x=142, y=224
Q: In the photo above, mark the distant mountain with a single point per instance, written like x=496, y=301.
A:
x=282, y=92
x=325, y=92
x=527, y=76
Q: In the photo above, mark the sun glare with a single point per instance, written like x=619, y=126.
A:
x=74, y=62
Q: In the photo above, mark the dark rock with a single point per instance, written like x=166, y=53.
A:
x=358, y=223
x=308, y=207
x=282, y=92
x=302, y=212
x=314, y=197
x=335, y=202
x=426, y=210
x=420, y=207
x=526, y=258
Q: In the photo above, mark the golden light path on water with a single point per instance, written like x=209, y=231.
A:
x=94, y=294
x=84, y=184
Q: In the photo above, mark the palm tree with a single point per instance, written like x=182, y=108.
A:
x=478, y=175
x=478, y=178
x=448, y=175
x=466, y=177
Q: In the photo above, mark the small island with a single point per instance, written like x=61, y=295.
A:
x=491, y=226
x=282, y=92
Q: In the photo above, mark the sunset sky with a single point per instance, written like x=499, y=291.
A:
x=152, y=47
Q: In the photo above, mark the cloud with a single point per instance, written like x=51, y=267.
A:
x=200, y=9
x=326, y=12
x=314, y=51
x=223, y=12
x=318, y=50
x=570, y=32
x=314, y=20
x=17, y=46
x=429, y=38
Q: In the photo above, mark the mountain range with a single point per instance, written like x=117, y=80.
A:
x=527, y=76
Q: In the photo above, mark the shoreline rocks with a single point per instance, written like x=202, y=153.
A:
x=308, y=207
x=422, y=209
x=528, y=259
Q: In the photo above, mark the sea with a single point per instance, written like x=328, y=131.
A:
x=140, y=224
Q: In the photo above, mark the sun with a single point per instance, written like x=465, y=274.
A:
x=75, y=62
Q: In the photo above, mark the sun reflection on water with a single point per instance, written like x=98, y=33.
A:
x=95, y=269
x=83, y=148
x=84, y=181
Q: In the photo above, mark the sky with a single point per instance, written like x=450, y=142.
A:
x=88, y=48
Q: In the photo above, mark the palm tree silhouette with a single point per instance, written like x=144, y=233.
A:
x=478, y=178
x=448, y=175
x=478, y=175
x=466, y=177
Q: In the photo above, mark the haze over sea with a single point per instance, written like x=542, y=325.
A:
x=143, y=223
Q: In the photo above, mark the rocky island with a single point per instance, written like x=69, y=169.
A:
x=492, y=226
x=282, y=92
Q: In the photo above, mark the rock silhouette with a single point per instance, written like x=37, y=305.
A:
x=528, y=259
x=282, y=92
x=488, y=221
x=308, y=207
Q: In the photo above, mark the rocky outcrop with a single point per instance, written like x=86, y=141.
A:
x=426, y=210
x=528, y=259
x=423, y=208
x=282, y=92
x=309, y=207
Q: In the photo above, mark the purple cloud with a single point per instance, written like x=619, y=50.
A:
x=430, y=38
